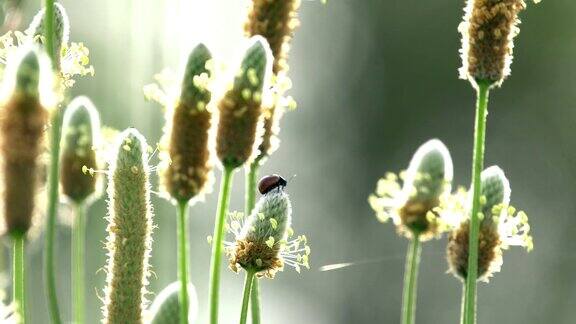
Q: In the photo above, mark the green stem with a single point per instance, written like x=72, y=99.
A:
x=78, y=246
x=18, y=276
x=463, y=303
x=477, y=166
x=246, y=296
x=183, y=259
x=251, y=177
x=410, y=281
x=49, y=272
x=49, y=29
x=215, y=263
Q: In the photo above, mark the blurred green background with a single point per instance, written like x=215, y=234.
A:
x=374, y=79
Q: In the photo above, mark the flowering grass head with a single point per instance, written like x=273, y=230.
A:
x=240, y=110
x=263, y=240
x=130, y=226
x=185, y=169
x=413, y=205
x=22, y=141
x=500, y=227
x=80, y=138
x=488, y=33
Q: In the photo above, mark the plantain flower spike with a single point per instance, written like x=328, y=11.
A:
x=22, y=127
x=166, y=307
x=414, y=205
x=488, y=33
x=80, y=137
x=500, y=227
x=185, y=169
x=276, y=21
x=129, y=230
x=61, y=29
x=240, y=108
x=264, y=241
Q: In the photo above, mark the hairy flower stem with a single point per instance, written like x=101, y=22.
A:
x=217, y=245
x=251, y=177
x=183, y=259
x=410, y=281
x=18, y=277
x=246, y=296
x=78, y=244
x=477, y=167
x=55, y=134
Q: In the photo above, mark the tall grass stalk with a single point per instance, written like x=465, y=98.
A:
x=217, y=242
x=78, y=260
x=53, y=175
x=251, y=176
x=410, y=281
x=18, y=277
x=182, y=208
x=483, y=89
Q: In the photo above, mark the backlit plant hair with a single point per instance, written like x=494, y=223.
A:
x=166, y=306
x=414, y=208
x=488, y=31
x=129, y=230
x=237, y=140
x=80, y=138
x=262, y=241
x=22, y=124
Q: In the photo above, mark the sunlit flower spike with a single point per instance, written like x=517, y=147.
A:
x=264, y=241
x=500, y=227
x=412, y=199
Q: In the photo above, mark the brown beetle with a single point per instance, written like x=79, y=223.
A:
x=271, y=182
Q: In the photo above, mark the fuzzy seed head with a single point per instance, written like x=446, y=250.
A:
x=240, y=108
x=259, y=245
x=23, y=121
x=500, y=227
x=263, y=240
x=488, y=32
x=130, y=227
x=413, y=206
x=61, y=28
x=80, y=137
x=166, y=306
x=185, y=168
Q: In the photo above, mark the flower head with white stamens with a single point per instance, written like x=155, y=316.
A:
x=500, y=226
x=412, y=199
x=264, y=240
